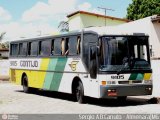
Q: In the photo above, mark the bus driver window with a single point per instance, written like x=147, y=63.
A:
x=64, y=46
x=52, y=48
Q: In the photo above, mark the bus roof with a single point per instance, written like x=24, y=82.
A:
x=112, y=30
x=101, y=31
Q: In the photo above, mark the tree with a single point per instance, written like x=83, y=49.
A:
x=6, y=45
x=2, y=35
x=143, y=8
x=3, y=45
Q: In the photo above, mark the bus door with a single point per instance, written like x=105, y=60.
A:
x=93, y=80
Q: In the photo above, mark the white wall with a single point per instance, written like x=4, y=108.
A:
x=80, y=21
x=75, y=23
x=156, y=77
x=155, y=39
x=4, y=54
x=4, y=68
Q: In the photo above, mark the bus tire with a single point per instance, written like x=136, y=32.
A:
x=122, y=98
x=26, y=89
x=79, y=92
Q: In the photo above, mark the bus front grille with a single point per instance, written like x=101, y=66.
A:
x=130, y=82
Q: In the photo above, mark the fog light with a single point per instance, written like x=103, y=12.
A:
x=113, y=90
x=109, y=90
x=149, y=89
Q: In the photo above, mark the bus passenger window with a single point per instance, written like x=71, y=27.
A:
x=78, y=44
x=20, y=48
x=74, y=45
x=33, y=48
x=29, y=48
x=23, y=49
x=45, y=47
x=66, y=46
x=52, y=48
x=57, y=46
x=62, y=47
x=14, y=50
x=40, y=48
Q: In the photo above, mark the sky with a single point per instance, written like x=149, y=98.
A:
x=29, y=18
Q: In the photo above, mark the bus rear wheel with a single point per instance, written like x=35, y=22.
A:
x=79, y=93
x=26, y=89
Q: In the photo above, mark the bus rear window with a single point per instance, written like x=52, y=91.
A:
x=14, y=50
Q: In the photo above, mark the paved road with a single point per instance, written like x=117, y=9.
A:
x=13, y=100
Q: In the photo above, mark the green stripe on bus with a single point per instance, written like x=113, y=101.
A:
x=133, y=76
x=49, y=75
x=61, y=63
x=140, y=76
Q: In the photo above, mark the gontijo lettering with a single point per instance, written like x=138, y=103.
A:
x=29, y=63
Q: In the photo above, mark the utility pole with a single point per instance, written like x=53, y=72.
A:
x=105, y=10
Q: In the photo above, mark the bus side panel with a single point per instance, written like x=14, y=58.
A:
x=32, y=78
x=52, y=81
x=75, y=68
x=72, y=69
x=36, y=77
x=16, y=76
x=49, y=75
x=66, y=82
x=12, y=75
x=42, y=73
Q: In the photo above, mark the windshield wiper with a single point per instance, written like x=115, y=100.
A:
x=125, y=64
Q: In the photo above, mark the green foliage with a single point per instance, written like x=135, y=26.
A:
x=143, y=8
x=6, y=44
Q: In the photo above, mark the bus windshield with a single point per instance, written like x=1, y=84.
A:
x=124, y=53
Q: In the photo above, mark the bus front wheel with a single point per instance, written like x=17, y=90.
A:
x=26, y=89
x=79, y=92
x=122, y=98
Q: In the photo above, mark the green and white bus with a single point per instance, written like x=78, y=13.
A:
x=84, y=63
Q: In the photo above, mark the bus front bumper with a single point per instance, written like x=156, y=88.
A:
x=125, y=90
